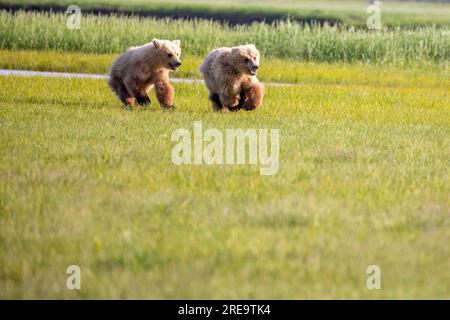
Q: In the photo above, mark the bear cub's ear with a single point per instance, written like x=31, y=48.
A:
x=235, y=50
x=177, y=42
x=156, y=43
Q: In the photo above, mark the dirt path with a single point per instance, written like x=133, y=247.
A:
x=28, y=73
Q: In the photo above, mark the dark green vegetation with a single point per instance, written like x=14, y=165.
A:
x=347, y=12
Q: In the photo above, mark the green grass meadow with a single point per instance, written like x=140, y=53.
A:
x=364, y=123
x=363, y=180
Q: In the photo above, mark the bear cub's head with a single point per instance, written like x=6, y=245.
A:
x=169, y=52
x=246, y=59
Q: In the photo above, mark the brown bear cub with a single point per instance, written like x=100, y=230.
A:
x=230, y=76
x=139, y=69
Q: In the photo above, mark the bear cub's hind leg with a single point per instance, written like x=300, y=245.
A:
x=137, y=93
x=215, y=100
x=124, y=95
x=142, y=97
x=143, y=100
x=230, y=103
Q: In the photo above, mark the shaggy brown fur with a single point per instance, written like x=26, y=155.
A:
x=139, y=69
x=230, y=76
x=252, y=97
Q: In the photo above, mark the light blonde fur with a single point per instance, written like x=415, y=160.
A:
x=230, y=77
x=139, y=69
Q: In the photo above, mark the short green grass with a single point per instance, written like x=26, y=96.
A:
x=363, y=179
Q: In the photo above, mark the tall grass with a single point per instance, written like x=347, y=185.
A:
x=113, y=34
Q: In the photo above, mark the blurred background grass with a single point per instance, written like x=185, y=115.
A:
x=284, y=39
x=346, y=12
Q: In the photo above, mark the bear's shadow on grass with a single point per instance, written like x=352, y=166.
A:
x=59, y=102
x=83, y=103
x=111, y=103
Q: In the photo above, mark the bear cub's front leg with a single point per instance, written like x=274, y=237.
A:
x=251, y=98
x=164, y=93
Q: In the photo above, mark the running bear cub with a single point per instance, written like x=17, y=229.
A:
x=230, y=76
x=139, y=69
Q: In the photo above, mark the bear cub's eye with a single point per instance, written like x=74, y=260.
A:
x=170, y=55
x=246, y=59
